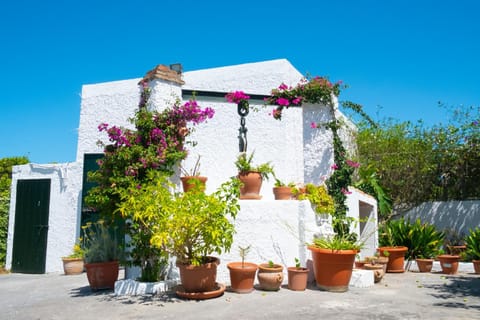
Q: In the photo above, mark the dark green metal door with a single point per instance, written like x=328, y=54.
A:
x=31, y=226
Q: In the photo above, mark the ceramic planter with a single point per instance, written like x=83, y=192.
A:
x=282, y=193
x=270, y=278
x=72, y=266
x=297, y=278
x=251, y=185
x=332, y=268
x=424, y=265
x=396, y=258
x=449, y=263
x=242, y=276
x=102, y=275
x=202, y=278
x=377, y=269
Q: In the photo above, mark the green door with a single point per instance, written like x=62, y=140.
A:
x=31, y=226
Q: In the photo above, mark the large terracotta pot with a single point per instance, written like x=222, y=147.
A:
x=449, y=263
x=297, y=278
x=102, y=275
x=396, y=258
x=200, y=278
x=188, y=182
x=270, y=278
x=332, y=268
x=251, y=185
x=476, y=266
x=282, y=193
x=242, y=276
x=424, y=265
x=72, y=266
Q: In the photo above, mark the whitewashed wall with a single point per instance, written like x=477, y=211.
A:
x=64, y=210
x=456, y=215
x=298, y=153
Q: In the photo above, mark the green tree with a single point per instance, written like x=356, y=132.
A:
x=6, y=165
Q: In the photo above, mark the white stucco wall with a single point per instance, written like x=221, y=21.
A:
x=298, y=153
x=459, y=216
x=64, y=210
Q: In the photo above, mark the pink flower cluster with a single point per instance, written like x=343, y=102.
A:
x=236, y=96
x=190, y=111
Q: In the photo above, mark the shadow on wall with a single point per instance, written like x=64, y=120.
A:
x=456, y=215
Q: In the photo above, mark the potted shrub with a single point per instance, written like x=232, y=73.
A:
x=251, y=176
x=270, y=276
x=192, y=178
x=425, y=244
x=472, y=241
x=102, y=254
x=73, y=264
x=297, y=277
x=242, y=274
x=190, y=226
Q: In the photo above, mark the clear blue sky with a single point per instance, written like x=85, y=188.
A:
x=399, y=58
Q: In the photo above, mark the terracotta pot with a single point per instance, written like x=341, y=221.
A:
x=396, y=258
x=72, y=266
x=297, y=278
x=383, y=261
x=270, y=278
x=424, y=265
x=449, y=263
x=476, y=266
x=200, y=278
x=102, y=275
x=377, y=269
x=282, y=193
x=251, y=185
x=242, y=276
x=359, y=264
x=332, y=268
x=189, y=183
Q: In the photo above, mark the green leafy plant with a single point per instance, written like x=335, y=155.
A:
x=271, y=264
x=318, y=196
x=100, y=243
x=189, y=225
x=297, y=263
x=472, y=241
x=244, y=165
x=336, y=243
x=423, y=240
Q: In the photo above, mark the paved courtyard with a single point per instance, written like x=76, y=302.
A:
x=410, y=295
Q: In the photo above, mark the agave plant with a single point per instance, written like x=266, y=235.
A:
x=472, y=240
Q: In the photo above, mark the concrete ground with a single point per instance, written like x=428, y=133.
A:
x=408, y=295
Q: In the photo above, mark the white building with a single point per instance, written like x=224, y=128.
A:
x=277, y=230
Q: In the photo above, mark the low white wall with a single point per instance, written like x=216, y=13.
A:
x=64, y=210
x=456, y=215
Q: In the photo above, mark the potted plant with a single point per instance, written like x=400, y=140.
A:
x=425, y=242
x=333, y=260
x=321, y=201
x=297, y=277
x=392, y=236
x=190, y=226
x=192, y=178
x=472, y=241
x=270, y=276
x=73, y=264
x=281, y=190
x=242, y=274
x=251, y=176
x=102, y=254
